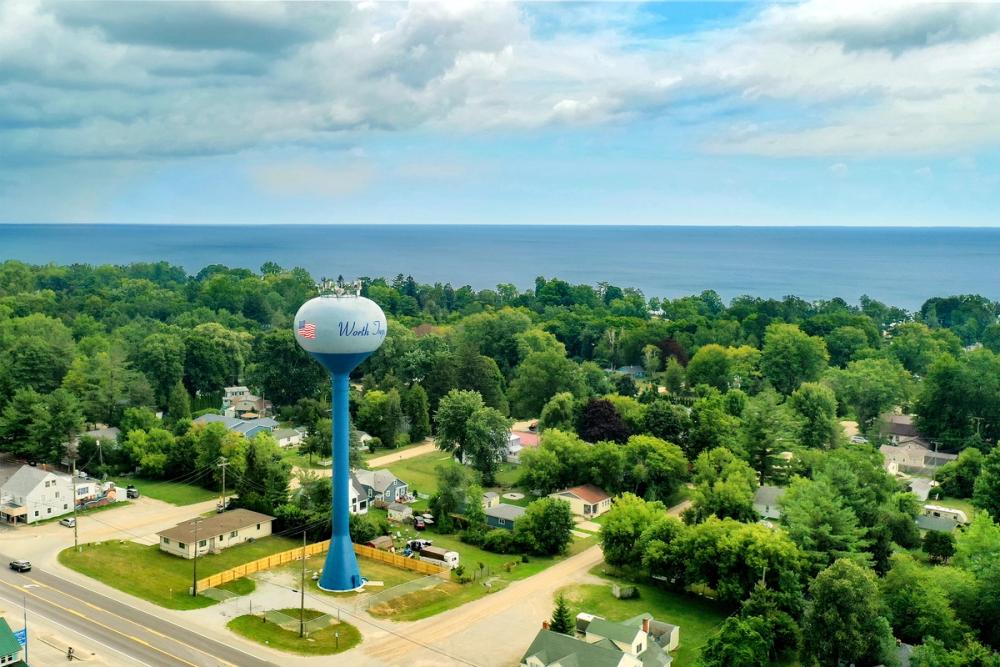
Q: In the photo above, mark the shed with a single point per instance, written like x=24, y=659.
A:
x=399, y=512
x=383, y=542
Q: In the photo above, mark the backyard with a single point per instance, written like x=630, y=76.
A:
x=175, y=493
x=159, y=577
x=420, y=473
x=698, y=617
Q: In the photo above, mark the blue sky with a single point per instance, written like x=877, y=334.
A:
x=813, y=113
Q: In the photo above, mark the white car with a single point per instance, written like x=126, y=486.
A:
x=69, y=522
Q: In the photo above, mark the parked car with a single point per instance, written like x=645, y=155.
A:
x=69, y=522
x=419, y=524
x=131, y=492
x=20, y=565
x=220, y=508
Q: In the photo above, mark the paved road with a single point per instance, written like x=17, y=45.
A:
x=139, y=638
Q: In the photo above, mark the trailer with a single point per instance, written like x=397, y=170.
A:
x=438, y=556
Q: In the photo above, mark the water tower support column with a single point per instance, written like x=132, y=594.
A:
x=341, y=571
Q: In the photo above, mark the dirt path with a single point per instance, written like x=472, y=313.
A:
x=386, y=459
x=514, y=614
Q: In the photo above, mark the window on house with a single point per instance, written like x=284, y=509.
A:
x=166, y=540
x=65, y=506
x=57, y=494
x=36, y=512
x=258, y=526
x=220, y=538
x=49, y=511
x=182, y=545
x=234, y=533
x=202, y=543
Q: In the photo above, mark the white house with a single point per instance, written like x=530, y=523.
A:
x=238, y=401
x=214, y=533
x=288, y=437
x=34, y=494
x=359, y=497
x=586, y=500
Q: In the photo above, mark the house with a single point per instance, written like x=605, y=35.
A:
x=400, y=513
x=34, y=494
x=586, y=500
x=214, y=533
x=945, y=519
x=287, y=437
x=238, y=401
x=638, y=642
x=503, y=515
x=514, y=447
x=490, y=499
x=359, y=497
x=247, y=427
x=106, y=435
x=767, y=501
x=913, y=455
x=897, y=427
x=10, y=647
x=382, y=485
x=636, y=372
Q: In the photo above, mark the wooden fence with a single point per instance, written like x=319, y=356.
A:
x=274, y=560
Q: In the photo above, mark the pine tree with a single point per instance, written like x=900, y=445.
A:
x=562, y=619
x=178, y=403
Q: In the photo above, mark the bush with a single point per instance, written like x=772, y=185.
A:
x=402, y=440
x=375, y=443
x=472, y=536
x=499, y=541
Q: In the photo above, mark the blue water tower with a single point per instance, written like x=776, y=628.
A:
x=340, y=329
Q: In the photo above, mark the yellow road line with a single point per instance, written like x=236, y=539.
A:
x=138, y=640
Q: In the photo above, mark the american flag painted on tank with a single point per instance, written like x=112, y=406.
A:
x=307, y=329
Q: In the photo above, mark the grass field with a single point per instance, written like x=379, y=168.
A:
x=372, y=570
x=161, y=578
x=320, y=642
x=504, y=567
x=175, y=493
x=419, y=471
x=699, y=618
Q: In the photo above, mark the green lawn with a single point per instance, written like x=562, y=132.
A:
x=366, y=455
x=175, y=493
x=958, y=503
x=293, y=457
x=320, y=642
x=699, y=618
x=84, y=513
x=372, y=570
x=422, y=604
x=418, y=471
x=161, y=578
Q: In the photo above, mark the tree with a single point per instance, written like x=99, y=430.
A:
x=939, y=546
x=559, y=413
x=790, y=357
x=599, y=420
x=623, y=525
x=711, y=366
x=738, y=643
x=844, y=624
x=916, y=346
x=416, y=409
x=546, y=527
x=161, y=359
x=958, y=478
x=711, y=425
x=915, y=605
x=651, y=359
x=820, y=524
x=667, y=421
x=381, y=415
x=725, y=487
x=178, y=403
x=653, y=468
x=474, y=512
x=815, y=405
x=452, y=418
x=487, y=433
x=479, y=373
x=773, y=612
x=214, y=357
x=538, y=378
x=986, y=493
x=55, y=422
x=844, y=344
x=977, y=547
x=768, y=428
x=562, y=619
x=674, y=375
x=282, y=370
x=871, y=387
x=960, y=398
x=15, y=421
x=450, y=496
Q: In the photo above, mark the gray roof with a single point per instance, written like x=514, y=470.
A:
x=939, y=523
x=505, y=511
x=399, y=507
x=107, y=433
x=24, y=481
x=228, y=422
x=358, y=488
x=618, y=632
x=380, y=480
x=767, y=501
x=550, y=647
x=491, y=494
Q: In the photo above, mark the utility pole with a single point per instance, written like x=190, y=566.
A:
x=76, y=538
x=302, y=591
x=194, y=563
x=222, y=463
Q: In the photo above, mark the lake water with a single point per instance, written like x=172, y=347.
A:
x=902, y=267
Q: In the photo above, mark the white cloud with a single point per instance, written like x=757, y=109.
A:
x=312, y=179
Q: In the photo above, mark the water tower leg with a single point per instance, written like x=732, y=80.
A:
x=341, y=571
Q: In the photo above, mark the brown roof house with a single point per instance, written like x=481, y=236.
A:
x=586, y=500
x=214, y=533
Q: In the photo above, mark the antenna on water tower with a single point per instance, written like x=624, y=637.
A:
x=340, y=329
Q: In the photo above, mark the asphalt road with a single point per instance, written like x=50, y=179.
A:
x=131, y=634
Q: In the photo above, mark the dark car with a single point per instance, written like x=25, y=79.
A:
x=419, y=524
x=20, y=565
x=131, y=492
